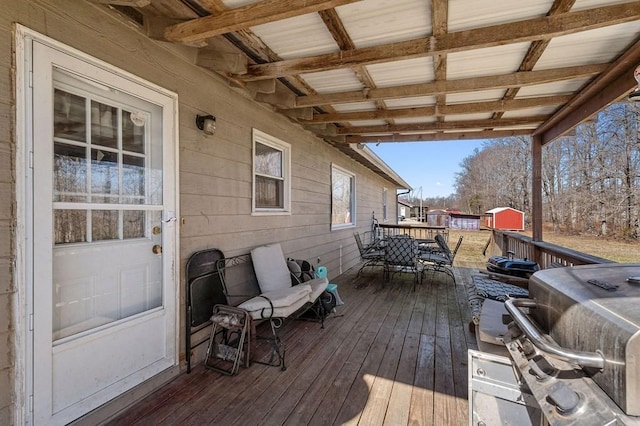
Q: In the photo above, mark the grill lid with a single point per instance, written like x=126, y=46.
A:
x=595, y=309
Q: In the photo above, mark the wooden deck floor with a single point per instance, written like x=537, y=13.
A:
x=392, y=357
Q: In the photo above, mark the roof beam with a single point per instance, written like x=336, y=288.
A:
x=245, y=17
x=495, y=35
x=614, y=83
x=335, y=26
x=439, y=111
x=439, y=23
x=517, y=79
x=536, y=49
x=442, y=126
x=430, y=137
x=340, y=34
x=130, y=3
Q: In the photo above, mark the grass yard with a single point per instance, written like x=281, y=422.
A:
x=617, y=250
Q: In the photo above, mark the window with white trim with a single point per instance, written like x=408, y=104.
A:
x=343, y=198
x=271, y=175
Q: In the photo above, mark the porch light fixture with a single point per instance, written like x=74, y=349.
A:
x=206, y=123
x=635, y=95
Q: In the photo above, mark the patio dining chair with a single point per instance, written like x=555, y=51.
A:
x=401, y=255
x=371, y=254
x=442, y=260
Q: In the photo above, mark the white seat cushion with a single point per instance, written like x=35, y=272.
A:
x=280, y=307
x=270, y=267
x=318, y=285
x=278, y=298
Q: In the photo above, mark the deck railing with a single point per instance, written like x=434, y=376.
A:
x=417, y=231
x=546, y=254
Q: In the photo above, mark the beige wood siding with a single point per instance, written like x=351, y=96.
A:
x=215, y=171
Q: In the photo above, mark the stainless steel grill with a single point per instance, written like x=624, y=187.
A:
x=580, y=348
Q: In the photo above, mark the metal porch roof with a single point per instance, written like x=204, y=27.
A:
x=358, y=71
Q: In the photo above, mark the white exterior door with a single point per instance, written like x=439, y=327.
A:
x=104, y=232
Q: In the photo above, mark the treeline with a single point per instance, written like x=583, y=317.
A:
x=590, y=179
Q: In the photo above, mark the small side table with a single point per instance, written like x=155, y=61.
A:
x=230, y=340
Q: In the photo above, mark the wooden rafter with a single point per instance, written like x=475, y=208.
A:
x=250, y=45
x=442, y=126
x=454, y=86
x=130, y=3
x=441, y=111
x=336, y=28
x=245, y=17
x=430, y=137
x=216, y=7
x=536, y=49
x=339, y=33
x=439, y=23
x=495, y=35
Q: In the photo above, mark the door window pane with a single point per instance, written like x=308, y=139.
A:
x=69, y=226
x=104, y=173
x=104, y=225
x=133, y=221
x=69, y=116
x=104, y=125
x=133, y=124
x=70, y=173
x=133, y=179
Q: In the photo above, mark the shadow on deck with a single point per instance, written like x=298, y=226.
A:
x=391, y=356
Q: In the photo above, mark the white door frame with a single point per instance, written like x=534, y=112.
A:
x=23, y=267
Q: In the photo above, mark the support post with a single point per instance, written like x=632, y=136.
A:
x=536, y=193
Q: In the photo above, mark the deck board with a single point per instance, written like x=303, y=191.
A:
x=392, y=356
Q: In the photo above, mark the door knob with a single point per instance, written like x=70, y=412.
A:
x=157, y=249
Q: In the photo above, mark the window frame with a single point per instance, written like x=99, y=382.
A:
x=352, y=199
x=258, y=136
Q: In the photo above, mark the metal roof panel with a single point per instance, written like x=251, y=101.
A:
x=417, y=101
x=468, y=14
x=296, y=37
x=373, y=22
x=488, y=61
x=333, y=81
x=408, y=71
x=548, y=89
x=356, y=106
x=479, y=96
x=588, y=47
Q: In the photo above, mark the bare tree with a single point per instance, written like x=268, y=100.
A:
x=590, y=180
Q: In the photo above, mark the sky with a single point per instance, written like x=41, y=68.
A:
x=430, y=165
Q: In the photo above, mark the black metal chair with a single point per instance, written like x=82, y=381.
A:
x=371, y=254
x=401, y=255
x=441, y=261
